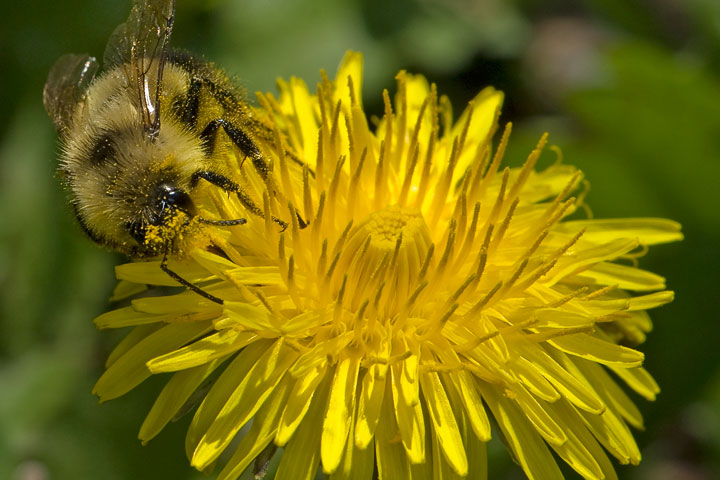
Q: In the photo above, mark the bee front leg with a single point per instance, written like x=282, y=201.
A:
x=230, y=186
x=239, y=139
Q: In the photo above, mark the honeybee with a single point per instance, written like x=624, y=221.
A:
x=139, y=138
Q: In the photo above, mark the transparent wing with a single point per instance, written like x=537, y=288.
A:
x=66, y=84
x=140, y=47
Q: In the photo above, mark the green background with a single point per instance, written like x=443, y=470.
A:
x=629, y=89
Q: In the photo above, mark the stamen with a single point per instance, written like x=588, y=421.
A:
x=270, y=231
x=322, y=260
x=528, y=166
x=432, y=327
x=425, y=175
x=316, y=226
x=351, y=139
x=402, y=199
x=354, y=183
x=497, y=158
x=332, y=191
x=482, y=261
x=600, y=292
x=281, y=248
x=291, y=272
x=516, y=274
x=413, y=297
x=469, y=235
x=562, y=301
x=307, y=194
x=550, y=262
x=538, y=337
x=426, y=262
x=351, y=87
x=396, y=252
x=343, y=237
x=378, y=295
x=336, y=125
x=388, y=141
x=460, y=214
x=339, y=300
x=505, y=224
x=458, y=291
x=475, y=342
x=355, y=323
x=418, y=124
x=483, y=301
x=320, y=161
x=448, y=246
x=443, y=186
x=500, y=199
x=466, y=126
x=380, y=180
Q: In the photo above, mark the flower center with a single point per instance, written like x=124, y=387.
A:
x=383, y=258
x=390, y=225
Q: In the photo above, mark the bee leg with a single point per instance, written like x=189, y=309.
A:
x=260, y=130
x=230, y=186
x=188, y=112
x=238, y=137
x=182, y=281
x=248, y=147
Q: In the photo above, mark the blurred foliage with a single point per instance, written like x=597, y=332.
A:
x=628, y=89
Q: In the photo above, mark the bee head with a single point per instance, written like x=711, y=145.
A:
x=165, y=200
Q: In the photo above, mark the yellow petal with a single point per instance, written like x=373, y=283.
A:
x=485, y=109
x=538, y=416
x=648, y=231
x=443, y=420
x=568, y=385
x=221, y=390
x=351, y=66
x=129, y=370
x=409, y=417
x=473, y=404
x=592, y=348
x=126, y=317
x=301, y=456
x=304, y=106
x=298, y=404
x=392, y=462
x=173, y=397
x=369, y=406
x=260, y=275
x=529, y=449
x=260, y=434
x=338, y=415
x=534, y=381
x=150, y=273
x=242, y=404
x=627, y=278
x=203, y=351
x=357, y=463
x=125, y=289
x=611, y=392
x=581, y=451
x=639, y=380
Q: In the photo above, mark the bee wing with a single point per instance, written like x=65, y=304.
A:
x=140, y=47
x=66, y=84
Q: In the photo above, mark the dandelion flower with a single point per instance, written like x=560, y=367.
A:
x=419, y=289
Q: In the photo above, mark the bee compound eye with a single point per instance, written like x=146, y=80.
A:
x=179, y=200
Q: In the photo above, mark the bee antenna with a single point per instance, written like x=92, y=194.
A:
x=222, y=223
